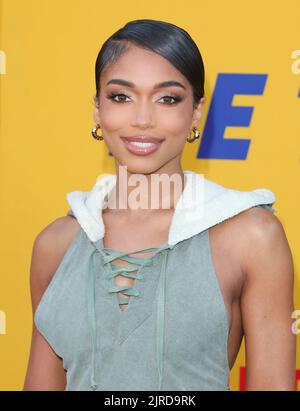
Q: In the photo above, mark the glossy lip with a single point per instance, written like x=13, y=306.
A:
x=142, y=151
x=146, y=139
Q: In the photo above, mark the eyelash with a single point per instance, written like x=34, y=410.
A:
x=113, y=95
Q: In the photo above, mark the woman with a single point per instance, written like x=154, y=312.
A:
x=128, y=296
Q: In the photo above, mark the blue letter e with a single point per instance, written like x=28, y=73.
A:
x=222, y=114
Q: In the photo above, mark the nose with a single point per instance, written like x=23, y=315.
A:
x=143, y=115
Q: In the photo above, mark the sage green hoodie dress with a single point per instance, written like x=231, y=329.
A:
x=173, y=333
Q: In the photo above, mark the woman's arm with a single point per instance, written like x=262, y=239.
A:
x=45, y=369
x=267, y=304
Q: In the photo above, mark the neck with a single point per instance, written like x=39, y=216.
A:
x=144, y=193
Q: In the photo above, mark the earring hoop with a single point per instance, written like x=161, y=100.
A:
x=196, y=135
x=95, y=134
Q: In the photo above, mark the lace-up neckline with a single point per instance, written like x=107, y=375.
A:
x=128, y=291
x=126, y=271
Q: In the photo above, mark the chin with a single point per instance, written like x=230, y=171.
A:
x=140, y=166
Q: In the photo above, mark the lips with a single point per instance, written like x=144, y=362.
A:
x=143, y=139
x=142, y=146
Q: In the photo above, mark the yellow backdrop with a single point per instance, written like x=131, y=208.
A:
x=47, y=54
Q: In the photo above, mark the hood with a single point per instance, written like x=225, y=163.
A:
x=202, y=204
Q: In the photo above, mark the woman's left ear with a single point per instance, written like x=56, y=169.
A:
x=198, y=111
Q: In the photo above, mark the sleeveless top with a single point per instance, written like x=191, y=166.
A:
x=173, y=333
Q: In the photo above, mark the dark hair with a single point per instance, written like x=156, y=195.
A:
x=166, y=39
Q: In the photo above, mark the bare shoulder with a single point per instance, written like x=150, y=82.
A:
x=239, y=234
x=254, y=238
x=254, y=219
x=259, y=236
x=49, y=247
x=257, y=219
x=60, y=228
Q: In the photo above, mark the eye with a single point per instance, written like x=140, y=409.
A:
x=176, y=99
x=120, y=98
x=113, y=96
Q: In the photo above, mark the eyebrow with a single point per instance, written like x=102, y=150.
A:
x=169, y=83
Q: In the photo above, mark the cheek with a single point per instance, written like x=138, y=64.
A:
x=112, y=116
x=111, y=121
x=175, y=122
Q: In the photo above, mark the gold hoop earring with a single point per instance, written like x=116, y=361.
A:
x=95, y=134
x=196, y=135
